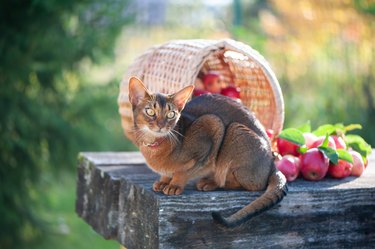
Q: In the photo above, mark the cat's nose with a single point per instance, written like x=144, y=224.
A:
x=161, y=123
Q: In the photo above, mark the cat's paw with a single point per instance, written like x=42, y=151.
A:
x=159, y=186
x=172, y=190
x=206, y=185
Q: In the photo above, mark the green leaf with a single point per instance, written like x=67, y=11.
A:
x=305, y=127
x=353, y=127
x=325, y=142
x=345, y=155
x=330, y=153
x=302, y=149
x=358, y=144
x=324, y=130
x=293, y=135
x=339, y=127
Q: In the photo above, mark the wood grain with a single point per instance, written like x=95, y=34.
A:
x=114, y=196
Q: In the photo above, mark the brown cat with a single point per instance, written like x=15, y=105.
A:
x=212, y=138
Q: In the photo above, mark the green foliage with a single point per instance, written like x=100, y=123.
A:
x=326, y=74
x=246, y=26
x=47, y=116
x=293, y=135
x=63, y=229
x=333, y=154
x=365, y=6
x=333, y=129
x=305, y=127
x=330, y=153
x=344, y=155
x=358, y=144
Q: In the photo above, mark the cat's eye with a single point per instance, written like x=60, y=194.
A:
x=171, y=114
x=150, y=112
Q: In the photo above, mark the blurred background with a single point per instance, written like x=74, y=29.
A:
x=61, y=63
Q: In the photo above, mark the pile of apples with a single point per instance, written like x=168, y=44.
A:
x=326, y=151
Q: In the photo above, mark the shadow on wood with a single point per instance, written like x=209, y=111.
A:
x=114, y=196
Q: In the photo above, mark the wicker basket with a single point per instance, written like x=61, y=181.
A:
x=173, y=65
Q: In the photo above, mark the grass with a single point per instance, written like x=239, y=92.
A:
x=62, y=227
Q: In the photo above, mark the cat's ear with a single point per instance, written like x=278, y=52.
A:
x=181, y=97
x=137, y=91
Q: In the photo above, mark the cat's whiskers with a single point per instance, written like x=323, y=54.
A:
x=178, y=133
x=139, y=135
x=147, y=137
x=173, y=138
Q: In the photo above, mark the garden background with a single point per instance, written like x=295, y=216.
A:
x=61, y=63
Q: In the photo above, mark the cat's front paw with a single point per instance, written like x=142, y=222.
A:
x=172, y=190
x=159, y=186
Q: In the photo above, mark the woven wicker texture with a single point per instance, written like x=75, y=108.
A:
x=173, y=65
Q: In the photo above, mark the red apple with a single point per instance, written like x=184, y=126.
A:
x=198, y=92
x=289, y=165
x=314, y=165
x=319, y=141
x=310, y=138
x=340, y=170
x=358, y=164
x=339, y=142
x=231, y=91
x=286, y=147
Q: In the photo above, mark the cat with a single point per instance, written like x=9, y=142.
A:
x=211, y=138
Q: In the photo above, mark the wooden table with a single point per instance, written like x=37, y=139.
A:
x=114, y=196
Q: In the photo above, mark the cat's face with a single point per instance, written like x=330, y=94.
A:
x=156, y=114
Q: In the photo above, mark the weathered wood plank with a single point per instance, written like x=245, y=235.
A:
x=113, y=158
x=114, y=196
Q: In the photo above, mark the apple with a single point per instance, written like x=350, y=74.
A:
x=358, y=164
x=314, y=165
x=339, y=142
x=231, y=91
x=310, y=138
x=319, y=141
x=340, y=170
x=198, y=92
x=286, y=147
x=289, y=165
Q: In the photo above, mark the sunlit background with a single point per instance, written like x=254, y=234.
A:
x=62, y=61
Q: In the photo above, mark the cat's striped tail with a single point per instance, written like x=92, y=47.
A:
x=276, y=190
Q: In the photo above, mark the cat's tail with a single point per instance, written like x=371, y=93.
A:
x=276, y=190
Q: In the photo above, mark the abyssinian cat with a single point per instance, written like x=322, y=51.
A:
x=211, y=138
